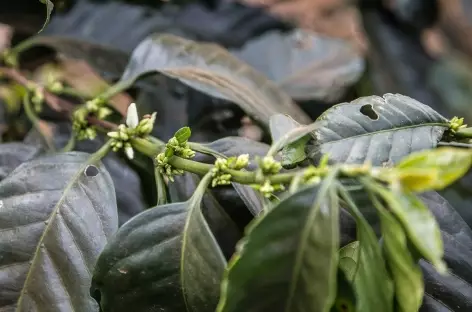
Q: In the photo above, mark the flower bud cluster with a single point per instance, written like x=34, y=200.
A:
x=133, y=128
x=455, y=124
x=177, y=145
x=268, y=166
x=220, y=173
x=80, y=125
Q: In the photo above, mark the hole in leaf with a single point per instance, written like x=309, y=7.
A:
x=368, y=110
x=91, y=171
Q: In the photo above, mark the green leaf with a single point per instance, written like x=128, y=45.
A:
x=419, y=223
x=376, y=129
x=447, y=163
x=183, y=134
x=164, y=259
x=321, y=69
x=293, y=153
x=288, y=260
x=212, y=70
x=406, y=272
x=373, y=285
x=57, y=213
x=348, y=259
x=49, y=8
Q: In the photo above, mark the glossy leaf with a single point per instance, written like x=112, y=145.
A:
x=55, y=219
x=373, y=285
x=166, y=258
x=448, y=165
x=405, y=270
x=294, y=152
x=14, y=154
x=289, y=256
x=211, y=69
x=420, y=225
x=128, y=186
x=304, y=64
x=348, y=259
x=376, y=129
x=49, y=8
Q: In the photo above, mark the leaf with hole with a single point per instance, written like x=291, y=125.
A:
x=55, y=220
x=289, y=256
x=212, y=70
x=304, y=64
x=165, y=258
x=376, y=129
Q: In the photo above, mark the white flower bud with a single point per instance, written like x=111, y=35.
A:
x=132, y=119
x=129, y=151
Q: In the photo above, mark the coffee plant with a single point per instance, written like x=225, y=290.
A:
x=344, y=213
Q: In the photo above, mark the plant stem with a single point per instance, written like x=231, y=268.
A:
x=35, y=121
x=464, y=133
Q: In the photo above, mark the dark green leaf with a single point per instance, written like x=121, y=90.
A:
x=128, y=186
x=373, y=285
x=405, y=270
x=304, y=64
x=164, y=259
x=419, y=223
x=378, y=129
x=348, y=259
x=14, y=154
x=289, y=256
x=448, y=164
x=56, y=216
x=212, y=70
x=49, y=8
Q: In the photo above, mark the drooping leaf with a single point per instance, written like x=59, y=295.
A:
x=372, y=283
x=448, y=164
x=164, y=259
x=304, y=64
x=289, y=256
x=14, y=154
x=293, y=153
x=57, y=213
x=128, y=186
x=212, y=70
x=348, y=259
x=235, y=146
x=405, y=270
x=420, y=225
x=378, y=129
x=49, y=8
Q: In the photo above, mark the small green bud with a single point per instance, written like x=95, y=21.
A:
x=113, y=135
x=103, y=112
x=241, y=162
x=56, y=87
x=270, y=166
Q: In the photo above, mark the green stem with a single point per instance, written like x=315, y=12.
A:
x=161, y=187
x=70, y=144
x=146, y=147
x=464, y=133
x=35, y=121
